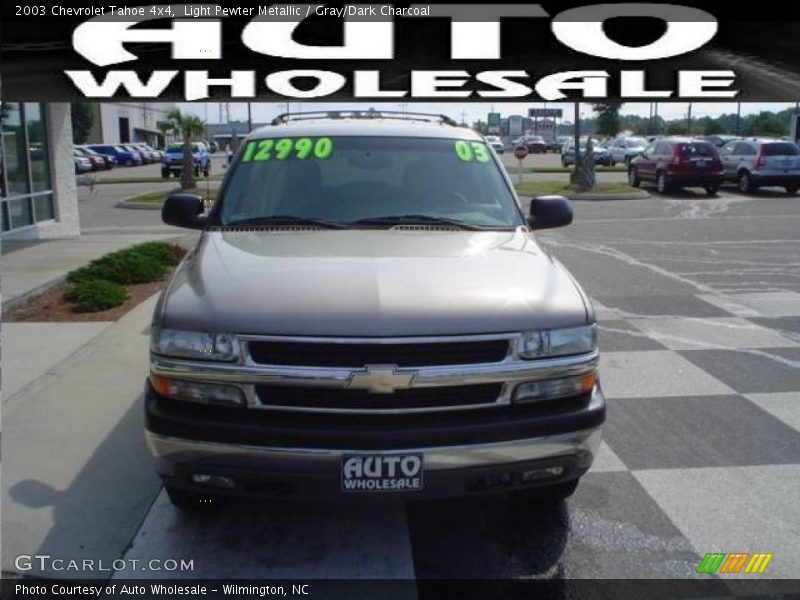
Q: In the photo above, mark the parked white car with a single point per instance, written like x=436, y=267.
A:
x=623, y=149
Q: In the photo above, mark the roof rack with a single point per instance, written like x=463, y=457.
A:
x=364, y=114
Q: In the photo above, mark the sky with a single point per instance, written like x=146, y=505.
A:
x=469, y=111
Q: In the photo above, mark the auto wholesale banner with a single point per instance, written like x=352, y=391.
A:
x=373, y=52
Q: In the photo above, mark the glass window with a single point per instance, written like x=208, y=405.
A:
x=25, y=180
x=43, y=205
x=21, y=212
x=781, y=149
x=14, y=153
x=351, y=178
x=37, y=147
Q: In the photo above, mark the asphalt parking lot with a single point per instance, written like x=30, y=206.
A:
x=698, y=302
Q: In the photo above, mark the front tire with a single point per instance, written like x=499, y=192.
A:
x=189, y=500
x=549, y=495
x=662, y=183
x=746, y=183
x=712, y=190
x=165, y=173
x=791, y=190
x=633, y=177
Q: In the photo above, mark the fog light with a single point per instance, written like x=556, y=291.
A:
x=539, y=474
x=217, y=481
x=534, y=391
x=190, y=391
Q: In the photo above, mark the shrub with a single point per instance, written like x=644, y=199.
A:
x=168, y=255
x=124, y=267
x=92, y=295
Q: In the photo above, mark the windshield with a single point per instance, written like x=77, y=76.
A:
x=120, y=149
x=348, y=179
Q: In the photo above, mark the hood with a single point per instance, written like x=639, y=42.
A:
x=366, y=283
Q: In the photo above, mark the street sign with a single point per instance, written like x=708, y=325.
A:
x=540, y=113
x=493, y=119
x=520, y=152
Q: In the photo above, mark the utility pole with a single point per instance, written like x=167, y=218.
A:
x=577, y=133
x=249, y=118
x=738, y=118
x=689, y=120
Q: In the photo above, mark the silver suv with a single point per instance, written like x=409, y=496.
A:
x=753, y=163
x=623, y=149
x=367, y=311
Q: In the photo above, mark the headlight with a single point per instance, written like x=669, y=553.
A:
x=194, y=344
x=557, y=342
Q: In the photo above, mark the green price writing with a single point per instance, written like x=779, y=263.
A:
x=285, y=148
x=471, y=151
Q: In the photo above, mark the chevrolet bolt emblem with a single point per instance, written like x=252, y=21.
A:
x=381, y=379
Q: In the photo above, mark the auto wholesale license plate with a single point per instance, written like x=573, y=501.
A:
x=382, y=472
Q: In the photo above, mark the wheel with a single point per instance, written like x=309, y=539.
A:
x=206, y=172
x=662, y=184
x=548, y=495
x=791, y=190
x=633, y=177
x=197, y=171
x=746, y=183
x=189, y=500
x=564, y=162
x=612, y=163
x=165, y=173
x=712, y=190
x=129, y=163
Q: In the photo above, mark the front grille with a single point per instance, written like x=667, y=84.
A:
x=357, y=355
x=278, y=396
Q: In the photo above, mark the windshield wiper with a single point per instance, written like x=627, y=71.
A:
x=289, y=220
x=417, y=220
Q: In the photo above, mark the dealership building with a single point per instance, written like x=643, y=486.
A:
x=124, y=122
x=38, y=195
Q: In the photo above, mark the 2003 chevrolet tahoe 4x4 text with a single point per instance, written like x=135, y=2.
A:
x=367, y=311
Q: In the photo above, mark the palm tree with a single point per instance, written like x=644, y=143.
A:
x=188, y=127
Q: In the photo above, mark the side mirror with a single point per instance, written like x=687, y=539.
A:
x=548, y=212
x=184, y=210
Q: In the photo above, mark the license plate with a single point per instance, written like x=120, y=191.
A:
x=701, y=163
x=382, y=472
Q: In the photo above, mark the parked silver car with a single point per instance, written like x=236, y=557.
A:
x=623, y=149
x=754, y=162
x=368, y=310
x=495, y=142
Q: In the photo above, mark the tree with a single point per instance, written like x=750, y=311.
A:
x=714, y=127
x=767, y=124
x=608, y=120
x=677, y=128
x=188, y=127
x=82, y=120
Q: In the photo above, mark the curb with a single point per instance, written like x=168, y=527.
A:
x=16, y=301
x=639, y=195
x=138, y=205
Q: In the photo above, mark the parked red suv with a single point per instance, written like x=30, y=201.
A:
x=676, y=163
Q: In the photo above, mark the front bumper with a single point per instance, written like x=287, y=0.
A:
x=288, y=456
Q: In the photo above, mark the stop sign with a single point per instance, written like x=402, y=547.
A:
x=520, y=152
